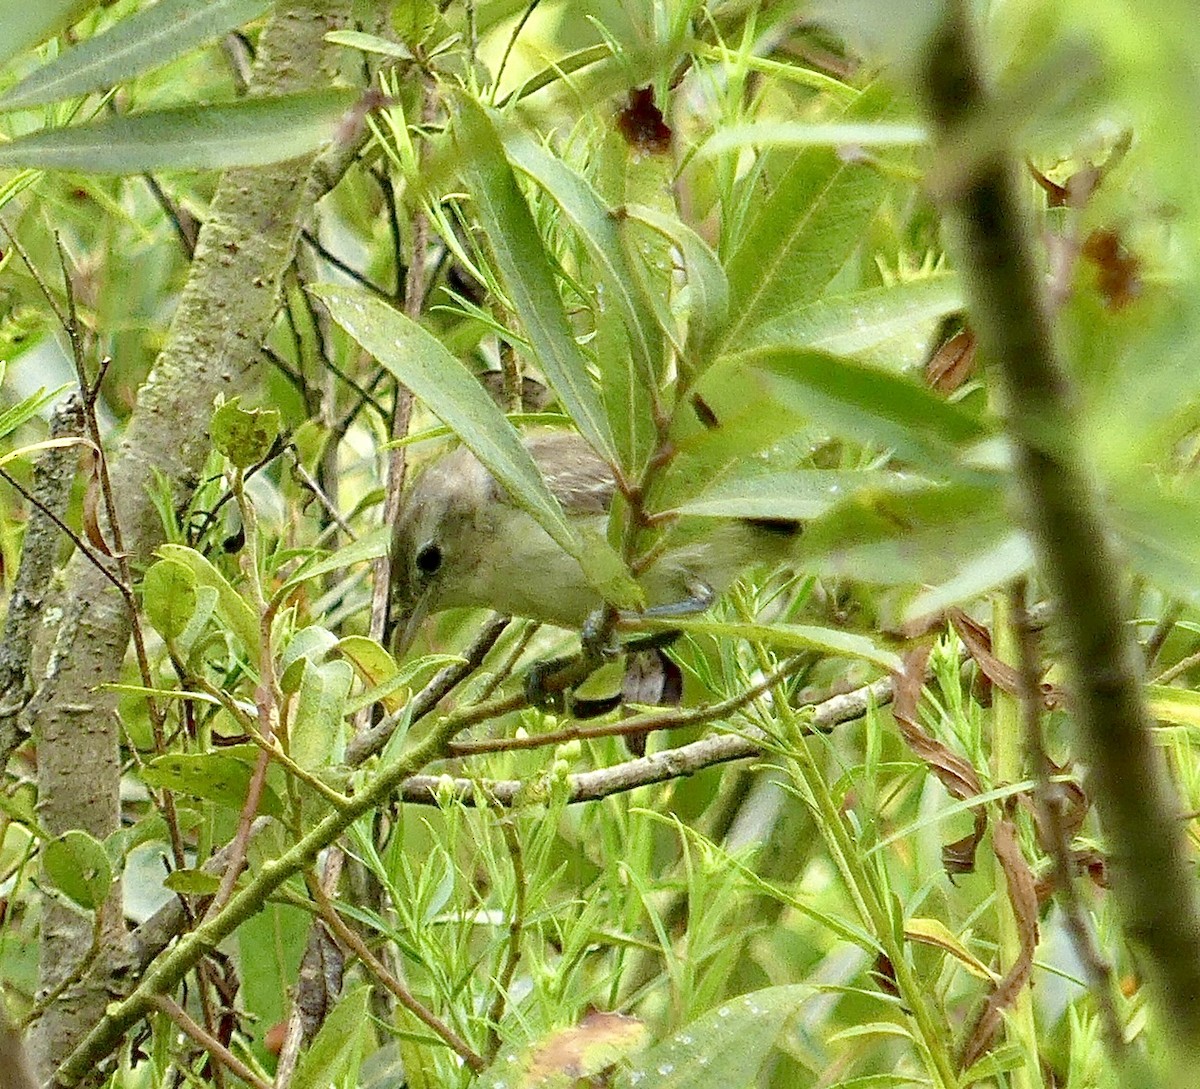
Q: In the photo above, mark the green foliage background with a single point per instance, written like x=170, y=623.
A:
x=780, y=262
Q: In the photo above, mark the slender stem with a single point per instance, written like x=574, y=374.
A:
x=1152, y=880
x=209, y=1042
x=380, y=971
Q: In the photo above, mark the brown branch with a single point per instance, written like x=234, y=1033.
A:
x=1153, y=881
x=401, y=993
x=53, y=474
x=372, y=739
x=224, y=313
x=208, y=1042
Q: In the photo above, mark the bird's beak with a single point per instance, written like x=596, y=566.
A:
x=408, y=625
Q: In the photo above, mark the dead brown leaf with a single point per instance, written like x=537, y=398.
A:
x=1022, y=894
x=954, y=772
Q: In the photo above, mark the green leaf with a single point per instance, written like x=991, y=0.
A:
x=251, y=132
x=214, y=776
x=192, y=882
x=862, y=402
x=1180, y=706
x=998, y=565
x=793, y=637
x=369, y=43
x=169, y=597
x=310, y=644
x=805, y=229
x=527, y=272
x=757, y=490
x=140, y=42
x=419, y=360
x=369, y=546
x=318, y=736
x=724, y=1047
x=335, y=1051
x=598, y=226
x=1159, y=531
x=243, y=435
x=15, y=415
x=78, y=866
x=231, y=606
x=905, y=536
x=707, y=284
x=797, y=134
x=891, y=324
x=30, y=24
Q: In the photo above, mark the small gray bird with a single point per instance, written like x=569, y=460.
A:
x=461, y=541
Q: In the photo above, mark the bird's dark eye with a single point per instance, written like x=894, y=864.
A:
x=429, y=558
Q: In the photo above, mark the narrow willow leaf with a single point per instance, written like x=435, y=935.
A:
x=708, y=286
x=904, y=537
x=28, y=24
x=369, y=546
x=1159, y=532
x=870, y=405
x=792, y=637
x=369, y=43
x=598, y=226
x=726, y=1046
x=760, y=491
x=835, y=134
x=252, y=132
x=561, y=68
x=805, y=229
x=418, y=359
x=896, y=319
x=527, y=271
x=1008, y=559
x=929, y=931
x=334, y=1053
x=1179, y=706
x=12, y=418
x=140, y=42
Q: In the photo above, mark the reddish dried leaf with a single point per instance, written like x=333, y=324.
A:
x=959, y=856
x=978, y=642
x=1118, y=271
x=276, y=1034
x=1022, y=894
x=91, y=511
x=641, y=123
x=1056, y=195
x=1078, y=189
x=953, y=362
x=885, y=972
x=954, y=772
x=704, y=412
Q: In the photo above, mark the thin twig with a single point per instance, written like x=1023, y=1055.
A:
x=372, y=739
x=638, y=724
x=379, y=970
x=516, y=925
x=207, y=1041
